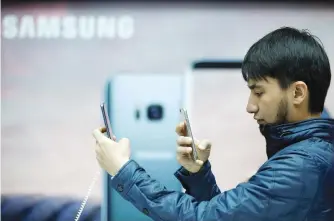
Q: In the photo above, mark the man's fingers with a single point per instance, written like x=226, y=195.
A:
x=97, y=146
x=183, y=150
x=204, y=145
x=114, y=138
x=99, y=151
x=199, y=162
x=184, y=141
x=100, y=162
x=98, y=157
x=98, y=134
x=181, y=129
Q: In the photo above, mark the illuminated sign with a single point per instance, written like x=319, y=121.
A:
x=67, y=27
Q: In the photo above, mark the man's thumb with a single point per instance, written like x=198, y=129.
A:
x=204, y=145
x=199, y=162
x=124, y=141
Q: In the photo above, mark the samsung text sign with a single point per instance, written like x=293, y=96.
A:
x=67, y=27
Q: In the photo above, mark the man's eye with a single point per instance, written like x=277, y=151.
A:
x=258, y=94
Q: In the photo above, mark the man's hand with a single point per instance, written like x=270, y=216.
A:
x=111, y=155
x=184, y=150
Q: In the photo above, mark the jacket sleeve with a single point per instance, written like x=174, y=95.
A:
x=201, y=185
x=276, y=191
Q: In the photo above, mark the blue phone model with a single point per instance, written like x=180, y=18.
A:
x=144, y=108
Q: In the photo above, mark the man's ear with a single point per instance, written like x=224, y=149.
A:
x=300, y=91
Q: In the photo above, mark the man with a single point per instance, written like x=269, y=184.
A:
x=288, y=74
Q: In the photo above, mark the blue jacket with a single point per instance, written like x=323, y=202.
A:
x=293, y=185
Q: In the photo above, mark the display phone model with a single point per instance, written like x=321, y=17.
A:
x=218, y=96
x=189, y=133
x=106, y=121
x=145, y=109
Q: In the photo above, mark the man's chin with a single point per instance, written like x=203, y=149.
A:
x=265, y=124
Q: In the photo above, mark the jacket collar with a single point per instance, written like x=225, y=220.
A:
x=280, y=136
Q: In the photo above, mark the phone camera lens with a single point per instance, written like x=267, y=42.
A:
x=155, y=112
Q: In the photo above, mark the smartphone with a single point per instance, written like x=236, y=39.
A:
x=144, y=107
x=189, y=133
x=106, y=121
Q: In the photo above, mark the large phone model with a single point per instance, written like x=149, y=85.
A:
x=216, y=97
x=145, y=109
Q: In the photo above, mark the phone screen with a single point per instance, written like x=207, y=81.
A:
x=218, y=98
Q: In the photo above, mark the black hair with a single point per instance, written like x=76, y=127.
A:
x=289, y=55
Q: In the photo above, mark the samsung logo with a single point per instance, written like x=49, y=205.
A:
x=67, y=27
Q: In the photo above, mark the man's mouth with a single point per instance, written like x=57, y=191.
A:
x=260, y=121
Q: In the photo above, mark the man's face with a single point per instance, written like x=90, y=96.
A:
x=267, y=101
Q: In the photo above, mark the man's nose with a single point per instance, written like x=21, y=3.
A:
x=251, y=108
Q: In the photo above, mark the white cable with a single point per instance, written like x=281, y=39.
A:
x=83, y=204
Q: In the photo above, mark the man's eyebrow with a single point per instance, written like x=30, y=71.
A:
x=253, y=86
